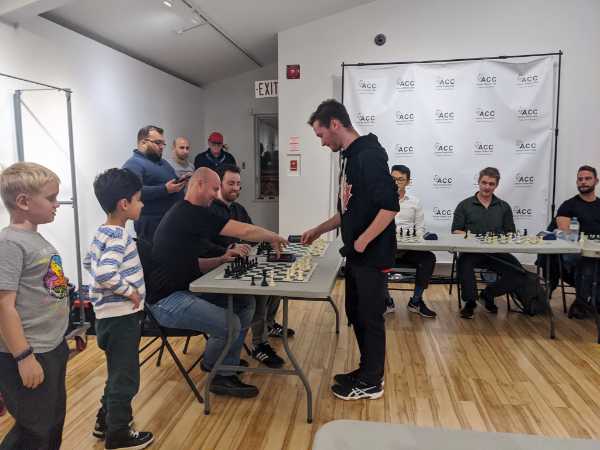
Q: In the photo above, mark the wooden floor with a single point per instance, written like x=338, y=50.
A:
x=494, y=373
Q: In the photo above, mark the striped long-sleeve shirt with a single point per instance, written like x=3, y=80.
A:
x=115, y=266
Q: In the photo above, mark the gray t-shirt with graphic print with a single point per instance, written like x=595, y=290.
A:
x=32, y=267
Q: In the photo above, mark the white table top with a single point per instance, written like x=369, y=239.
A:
x=457, y=243
x=361, y=435
x=319, y=286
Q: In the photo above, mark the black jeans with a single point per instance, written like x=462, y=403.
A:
x=264, y=317
x=582, y=269
x=424, y=262
x=509, y=277
x=39, y=413
x=119, y=337
x=366, y=290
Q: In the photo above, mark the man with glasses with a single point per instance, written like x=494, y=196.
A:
x=409, y=218
x=179, y=158
x=161, y=189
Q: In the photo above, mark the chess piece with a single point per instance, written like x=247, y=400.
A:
x=264, y=280
x=252, y=283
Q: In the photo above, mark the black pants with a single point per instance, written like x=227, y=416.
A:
x=509, y=277
x=119, y=337
x=39, y=413
x=365, y=305
x=424, y=262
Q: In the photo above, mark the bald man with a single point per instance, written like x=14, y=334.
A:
x=179, y=157
x=182, y=252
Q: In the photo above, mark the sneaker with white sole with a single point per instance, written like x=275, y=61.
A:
x=357, y=390
x=390, y=307
x=128, y=439
x=350, y=377
x=419, y=307
x=265, y=354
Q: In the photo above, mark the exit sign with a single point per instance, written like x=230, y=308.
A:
x=265, y=88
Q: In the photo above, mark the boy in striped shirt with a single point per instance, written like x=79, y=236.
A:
x=117, y=293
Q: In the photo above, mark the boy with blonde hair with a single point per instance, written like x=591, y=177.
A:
x=117, y=293
x=33, y=311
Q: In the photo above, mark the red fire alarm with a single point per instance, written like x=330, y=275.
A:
x=293, y=71
x=293, y=165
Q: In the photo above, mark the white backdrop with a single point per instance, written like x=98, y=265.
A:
x=447, y=121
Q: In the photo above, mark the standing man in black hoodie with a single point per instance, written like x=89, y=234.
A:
x=367, y=205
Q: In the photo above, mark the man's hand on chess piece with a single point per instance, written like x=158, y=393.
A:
x=278, y=244
x=309, y=236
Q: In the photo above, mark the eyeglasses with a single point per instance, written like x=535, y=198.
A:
x=156, y=142
x=184, y=147
x=400, y=180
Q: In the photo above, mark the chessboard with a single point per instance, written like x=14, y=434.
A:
x=259, y=271
x=317, y=248
x=518, y=238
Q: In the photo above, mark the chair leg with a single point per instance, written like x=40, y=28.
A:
x=452, y=274
x=562, y=285
x=187, y=343
x=184, y=372
x=160, y=353
x=508, y=302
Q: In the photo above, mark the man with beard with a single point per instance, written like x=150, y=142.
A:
x=263, y=322
x=160, y=190
x=179, y=158
x=480, y=214
x=215, y=156
x=585, y=206
x=367, y=205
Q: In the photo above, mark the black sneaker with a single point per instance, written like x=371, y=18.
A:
x=419, y=307
x=350, y=377
x=100, y=425
x=488, y=302
x=204, y=368
x=468, y=310
x=390, y=307
x=232, y=386
x=277, y=331
x=265, y=354
x=357, y=390
x=128, y=439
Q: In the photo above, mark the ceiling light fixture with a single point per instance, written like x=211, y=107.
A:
x=167, y=3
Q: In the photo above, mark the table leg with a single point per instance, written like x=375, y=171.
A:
x=297, y=369
x=594, y=301
x=337, y=315
x=221, y=357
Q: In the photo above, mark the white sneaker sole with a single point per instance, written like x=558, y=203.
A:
x=137, y=447
x=374, y=396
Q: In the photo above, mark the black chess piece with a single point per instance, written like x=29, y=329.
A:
x=401, y=232
x=252, y=283
x=264, y=280
x=525, y=232
x=414, y=230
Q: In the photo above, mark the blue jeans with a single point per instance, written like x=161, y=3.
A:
x=182, y=309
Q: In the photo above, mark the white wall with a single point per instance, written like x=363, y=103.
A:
x=434, y=29
x=230, y=106
x=113, y=96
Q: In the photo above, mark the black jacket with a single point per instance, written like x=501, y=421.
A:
x=234, y=211
x=370, y=188
x=206, y=159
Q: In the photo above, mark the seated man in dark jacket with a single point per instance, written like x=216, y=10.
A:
x=485, y=213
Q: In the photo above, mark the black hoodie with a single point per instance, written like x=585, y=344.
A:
x=366, y=187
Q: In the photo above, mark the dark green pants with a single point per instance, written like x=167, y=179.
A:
x=119, y=337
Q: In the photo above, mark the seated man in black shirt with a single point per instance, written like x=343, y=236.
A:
x=181, y=254
x=585, y=206
x=266, y=306
x=485, y=213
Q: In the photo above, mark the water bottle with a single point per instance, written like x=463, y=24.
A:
x=574, y=229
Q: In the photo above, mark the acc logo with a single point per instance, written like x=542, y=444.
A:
x=441, y=213
x=443, y=116
x=443, y=149
x=405, y=85
x=485, y=115
x=365, y=119
x=524, y=180
x=367, y=86
x=441, y=181
x=481, y=148
x=522, y=213
x=527, y=79
x=525, y=147
x=444, y=83
x=404, y=117
x=404, y=150
x=528, y=113
x=486, y=80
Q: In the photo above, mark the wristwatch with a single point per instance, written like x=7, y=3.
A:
x=21, y=356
